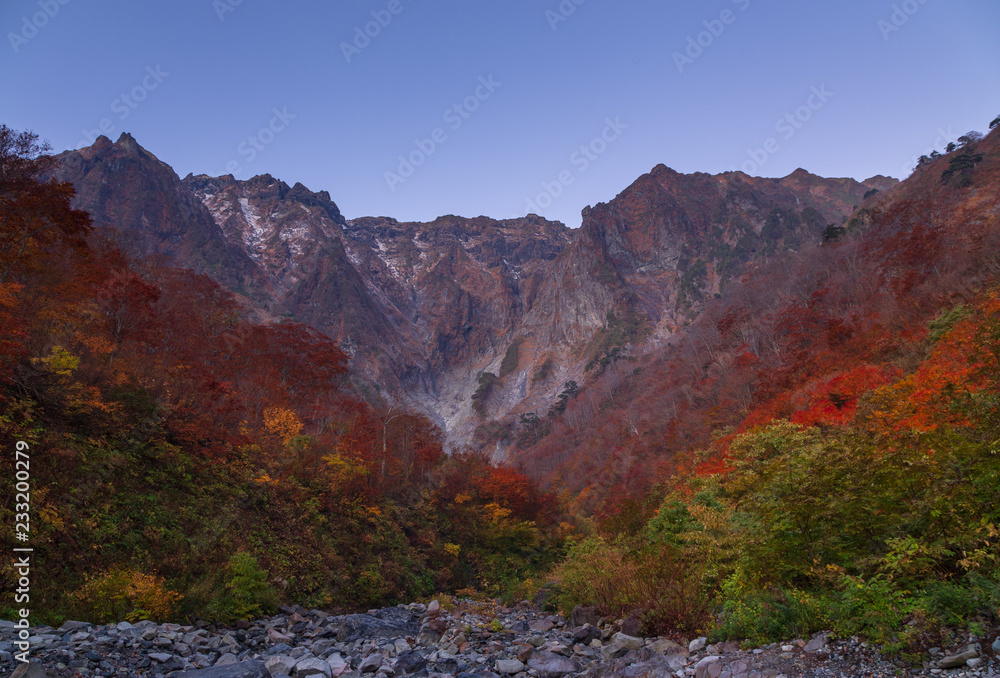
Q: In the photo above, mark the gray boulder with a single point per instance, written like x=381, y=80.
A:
x=29, y=670
x=697, y=644
x=816, y=644
x=313, y=667
x=409, y=661
x=586, y=633
x=371, y=663
x=281, y=664
x=627, y=641
x=392, y=622
x=957, y=660
x=509, y=666
x=250, y=669
x=551, y=665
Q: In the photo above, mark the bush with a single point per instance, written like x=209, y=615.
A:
x=656, y=581
x=246, y=593
x=954, y=602
x=510, y=359
x=760, y=614
x=544, y=370
x=875, y=609
x=125, y=594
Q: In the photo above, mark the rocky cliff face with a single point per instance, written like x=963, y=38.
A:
x=296, y=239
x=128, y=190
x=426, y=309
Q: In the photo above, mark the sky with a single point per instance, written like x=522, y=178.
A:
x=414, y=109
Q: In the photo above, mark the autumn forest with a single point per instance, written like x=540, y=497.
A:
x=790, y=429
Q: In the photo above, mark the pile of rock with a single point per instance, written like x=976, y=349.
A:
x=473, y=640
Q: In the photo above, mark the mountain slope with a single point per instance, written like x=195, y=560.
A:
x=800, y=336
x=469, y=320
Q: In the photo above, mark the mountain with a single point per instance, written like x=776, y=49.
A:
x=808, y=335
x=126, y=189
x=761, y=384
x=474, y=321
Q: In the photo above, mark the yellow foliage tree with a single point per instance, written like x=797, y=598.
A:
x=127, y=594
x=282, y=422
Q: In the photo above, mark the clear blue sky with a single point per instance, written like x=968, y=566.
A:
x=211, y=74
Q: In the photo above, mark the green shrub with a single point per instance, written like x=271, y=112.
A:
x=945, y=321
x=873, y=608
x=510, y=359
x=953, y=603
x=761, y=614
x=544, y=370
x=246, y=593
x=948, y=602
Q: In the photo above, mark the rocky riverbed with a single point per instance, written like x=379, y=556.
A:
x=466, y=640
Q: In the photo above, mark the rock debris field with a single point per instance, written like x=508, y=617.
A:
x=468, y=640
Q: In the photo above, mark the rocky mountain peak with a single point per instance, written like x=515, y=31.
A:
x=100, y=143
x=127, y=143
x=425, y=308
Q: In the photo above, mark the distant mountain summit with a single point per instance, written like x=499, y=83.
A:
x=471, y=320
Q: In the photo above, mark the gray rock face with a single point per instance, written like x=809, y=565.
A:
x=386, y=623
